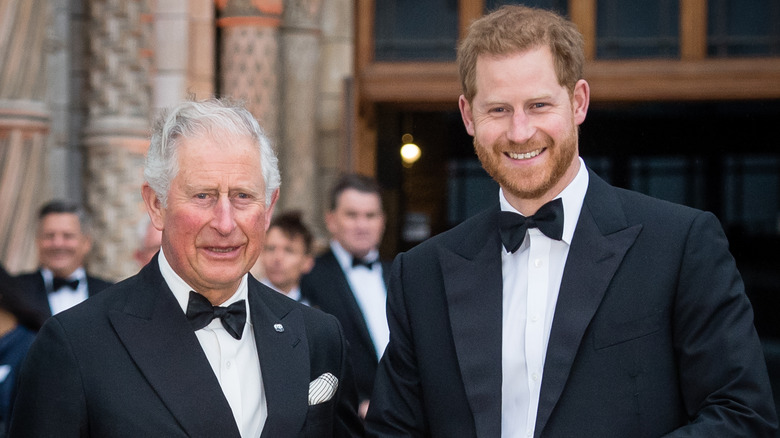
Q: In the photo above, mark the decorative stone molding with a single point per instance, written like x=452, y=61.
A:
x=117, y=130
x=24, y=127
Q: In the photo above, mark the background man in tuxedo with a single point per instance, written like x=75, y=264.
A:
x=193, y=345
x=63, y=239
x=349, y=280
x=287, y=254
x=149, y=240
x=570, y=308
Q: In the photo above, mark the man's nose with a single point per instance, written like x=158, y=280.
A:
x=224, y=216
x=521, y=128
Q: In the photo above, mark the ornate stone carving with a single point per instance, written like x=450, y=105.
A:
x=117, y=131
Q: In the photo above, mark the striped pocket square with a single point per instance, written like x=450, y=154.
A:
x=322, y=389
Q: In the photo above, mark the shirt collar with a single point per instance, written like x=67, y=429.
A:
x=79, y=274
x=295, y=292
x=345, y=258
x=181, y=290
x=572, y=196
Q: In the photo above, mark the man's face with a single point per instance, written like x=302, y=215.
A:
x=357, y=222
x=149, y=246
x=525, y=124
x=215, y=221
x=62, y=245
x=285, y=259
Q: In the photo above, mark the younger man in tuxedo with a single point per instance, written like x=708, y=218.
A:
x=570, y=308
x=349, y=280
x=63, y=239
x=193, y=345
x=287, y=255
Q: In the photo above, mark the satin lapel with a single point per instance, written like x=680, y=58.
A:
x=283, y=350
x=41, y=294
x=600, y=242
x=349, y=300
x=473, y=285
x=161, y=342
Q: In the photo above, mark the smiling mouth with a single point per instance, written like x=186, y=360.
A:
x=526, y=155
x=223, y=250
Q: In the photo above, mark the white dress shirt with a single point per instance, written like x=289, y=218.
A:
x=531, y=280
x=64, y=298
x=368, y=287
x=235, y=361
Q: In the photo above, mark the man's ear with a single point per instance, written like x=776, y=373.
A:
x=330, y=221
x=580, y=101
x=153, y=206
x=270, y=211
x=466, y=114
x=308, y=264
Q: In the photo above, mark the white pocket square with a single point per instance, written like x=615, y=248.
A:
x=322, y=389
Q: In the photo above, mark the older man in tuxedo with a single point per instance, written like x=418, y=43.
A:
x=194, y=346
x=570, y=308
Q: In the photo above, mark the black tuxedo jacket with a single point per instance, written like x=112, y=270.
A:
x=32, y=286
x=326, y=287
x=652, y=334
x=126, y=363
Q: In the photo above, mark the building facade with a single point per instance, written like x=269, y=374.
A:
x=83, y=79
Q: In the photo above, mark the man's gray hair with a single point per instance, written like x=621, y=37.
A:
x=212, y=117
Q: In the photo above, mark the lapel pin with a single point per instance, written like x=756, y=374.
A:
x=278, y=327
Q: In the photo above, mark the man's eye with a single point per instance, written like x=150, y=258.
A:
x=201, y=196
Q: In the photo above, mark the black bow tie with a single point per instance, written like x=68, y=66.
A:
x=64, y=282
x=549, y=220
x=200, y=312
x=357, y=261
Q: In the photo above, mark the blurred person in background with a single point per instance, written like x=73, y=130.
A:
x=287, y=254
x=19, y=322
x=149, y=240
x=349, y=280
x=63, y=239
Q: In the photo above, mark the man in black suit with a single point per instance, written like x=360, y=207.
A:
x=63, y=239
x=570, y=308
x=349, y=280
x=193, y=345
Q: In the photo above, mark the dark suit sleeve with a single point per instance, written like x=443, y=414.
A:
x=721, y=367
x=396, y=407
x=50, y=400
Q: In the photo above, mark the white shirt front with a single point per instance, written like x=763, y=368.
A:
x=531, y=280
x=235, y=361
x=368, y=287
x=64, y=298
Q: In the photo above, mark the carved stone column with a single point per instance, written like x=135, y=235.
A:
x=298, y=149
x=249, y=57
x=116, y=136
x=183, y=51
x=334, y=101
x=24, y=125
